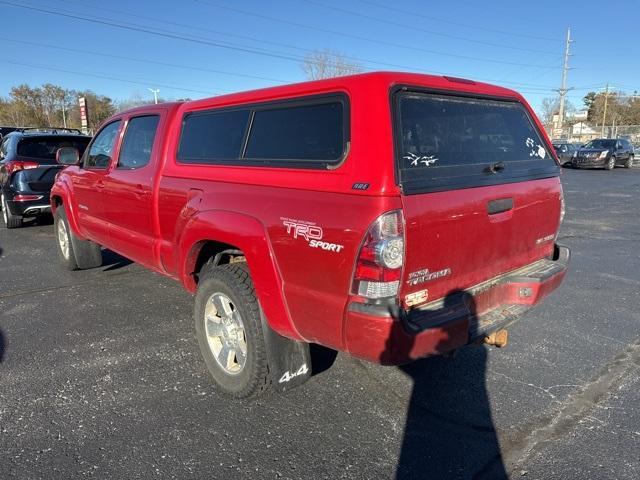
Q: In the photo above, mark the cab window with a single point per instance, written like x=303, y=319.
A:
x=101, y=149
x=138, y=142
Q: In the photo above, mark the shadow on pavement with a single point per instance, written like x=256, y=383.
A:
x=113, y=261
x=39, y=221
x=449, y=431
x=2, y=340
x=2, y=346
x=322, y=358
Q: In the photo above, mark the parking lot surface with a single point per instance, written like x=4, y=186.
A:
x=100, y=376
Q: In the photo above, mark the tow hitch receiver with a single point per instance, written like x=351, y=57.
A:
x=499, y=338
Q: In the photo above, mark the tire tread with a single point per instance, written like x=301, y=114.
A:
x=236, y=276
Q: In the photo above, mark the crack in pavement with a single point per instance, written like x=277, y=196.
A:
x=576, y=407
x=98, y=279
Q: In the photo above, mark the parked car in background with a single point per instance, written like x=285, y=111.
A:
x=565, y=152
x=28, y=168
x=604, y=153
x=389, y=215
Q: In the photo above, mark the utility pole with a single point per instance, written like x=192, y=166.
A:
x=604, y=113
x=155, y=94
x=563, y=88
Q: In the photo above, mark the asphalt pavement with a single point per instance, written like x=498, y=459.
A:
x=100, y=376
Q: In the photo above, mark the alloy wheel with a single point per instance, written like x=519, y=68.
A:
x=3, y=204
x=63, y=239
x=225, y=333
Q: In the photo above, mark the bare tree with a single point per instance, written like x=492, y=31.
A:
x=327, y=64
x=551, y=107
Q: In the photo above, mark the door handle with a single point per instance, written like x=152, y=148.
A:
x=100, y=184
x=499, y=206
x=140, y=192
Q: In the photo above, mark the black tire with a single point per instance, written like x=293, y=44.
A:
x=611, y=164
x=234, y=282
x=10, y=220
x=79, y=254
x=629, y=162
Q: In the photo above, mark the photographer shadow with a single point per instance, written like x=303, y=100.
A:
x=449, y=431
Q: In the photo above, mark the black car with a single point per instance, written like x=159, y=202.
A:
x=565, y=151
x=604, y=153
x=28, y=168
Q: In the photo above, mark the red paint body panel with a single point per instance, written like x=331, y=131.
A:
x=161, y=214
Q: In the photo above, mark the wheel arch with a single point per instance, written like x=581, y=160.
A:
x=60, y=197
x=228, y=235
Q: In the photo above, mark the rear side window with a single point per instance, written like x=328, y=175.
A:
x=213, y=136
x=309, y=132
x=447, y=141
x=313, y=132
x=44, y=148
x=138, y=142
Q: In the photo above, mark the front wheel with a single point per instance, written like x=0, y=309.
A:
x=10, y=220
x=629, y=162
x=611, y=163
x=228, y=329
x=75, y=254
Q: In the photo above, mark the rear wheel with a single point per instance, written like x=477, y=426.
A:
x=228, y=329
x=75, y=253
x=611, y=163
x=629, y=162
x=10, y=220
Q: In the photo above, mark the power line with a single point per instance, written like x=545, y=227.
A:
x=206, y=42
x=458, y=24
x=367, y=39
x=187, y=67
x=151, y=62
x=414, y=28
x=294, y=47
x=106, y=77
x=137, y=28
x=159, y=33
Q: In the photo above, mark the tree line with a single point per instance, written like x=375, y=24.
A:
x=51, y=105
x=54, y=106
x=622, y=109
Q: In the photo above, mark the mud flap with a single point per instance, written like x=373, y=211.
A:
x=289, y=360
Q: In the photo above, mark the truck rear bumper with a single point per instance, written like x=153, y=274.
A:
x=381, y=335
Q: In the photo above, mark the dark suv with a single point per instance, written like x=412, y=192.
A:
x=605, y=153
x=28, y=168
x=565, y=151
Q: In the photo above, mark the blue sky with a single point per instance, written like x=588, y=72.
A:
x=249, y=44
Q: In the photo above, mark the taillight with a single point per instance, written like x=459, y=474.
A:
x=379, y=264
x=563, y=206
x=15, y=166
x=563, y=210
x=26, y=198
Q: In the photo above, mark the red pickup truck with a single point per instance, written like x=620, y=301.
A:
x=388, y=215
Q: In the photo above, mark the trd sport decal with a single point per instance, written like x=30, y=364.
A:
x=311, y=232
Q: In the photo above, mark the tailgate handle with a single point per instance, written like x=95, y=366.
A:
x=496, y=167
x=499, y=206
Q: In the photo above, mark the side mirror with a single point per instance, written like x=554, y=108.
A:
x=68, y=156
